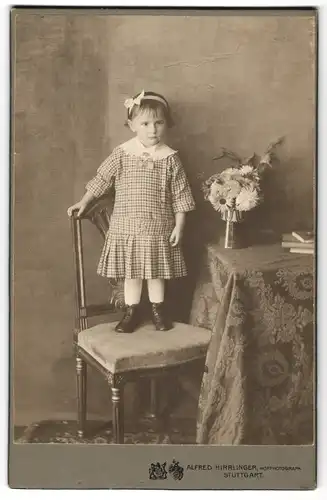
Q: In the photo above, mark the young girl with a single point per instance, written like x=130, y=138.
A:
x=152, y=196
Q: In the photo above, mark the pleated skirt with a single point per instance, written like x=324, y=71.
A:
x=137, y=248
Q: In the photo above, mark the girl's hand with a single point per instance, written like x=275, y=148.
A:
x=80, y=206
x=176, y=236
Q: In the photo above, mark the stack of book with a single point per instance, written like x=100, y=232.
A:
x=299, y=242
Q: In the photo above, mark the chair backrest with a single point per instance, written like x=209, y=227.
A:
x=98, y=214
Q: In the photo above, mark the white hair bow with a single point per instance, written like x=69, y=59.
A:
x=129, y=103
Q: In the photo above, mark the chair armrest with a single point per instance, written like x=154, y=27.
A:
x=98, y=205
x=98, y=213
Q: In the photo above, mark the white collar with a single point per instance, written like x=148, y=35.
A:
x=134, y=147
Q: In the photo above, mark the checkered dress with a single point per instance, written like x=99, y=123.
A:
x=147, y=195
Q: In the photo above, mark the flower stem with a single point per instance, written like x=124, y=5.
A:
x=229, y=234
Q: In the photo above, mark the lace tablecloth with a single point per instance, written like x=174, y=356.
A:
x=259, y=382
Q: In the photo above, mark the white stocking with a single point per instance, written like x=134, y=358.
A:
x=156, y=290
x=132, y=291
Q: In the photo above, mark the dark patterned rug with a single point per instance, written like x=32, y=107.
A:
x=181, y=431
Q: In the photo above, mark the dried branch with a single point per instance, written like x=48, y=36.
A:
x=225, y=153
x=260, y=163
x=253, y=160
x=267, y=158
x=273, y=145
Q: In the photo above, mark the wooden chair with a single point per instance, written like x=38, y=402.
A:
x=123, y=358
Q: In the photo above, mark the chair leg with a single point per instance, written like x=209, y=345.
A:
x=154, y=398
x=117, y=398
x=81, y=372
x=152, y=418
x=172, y=398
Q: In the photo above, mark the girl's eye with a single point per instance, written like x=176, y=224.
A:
x=145, y=123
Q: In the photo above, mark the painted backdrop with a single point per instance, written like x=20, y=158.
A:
x=237, y=81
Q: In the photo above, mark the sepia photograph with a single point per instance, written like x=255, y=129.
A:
x=163, y=230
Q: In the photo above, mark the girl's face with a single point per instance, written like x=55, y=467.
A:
x=150, y=127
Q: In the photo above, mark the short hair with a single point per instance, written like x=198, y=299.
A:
x=151, y=105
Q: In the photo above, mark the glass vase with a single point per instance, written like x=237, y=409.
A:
x=232, y=218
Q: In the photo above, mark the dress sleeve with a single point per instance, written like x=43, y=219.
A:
x=105, y=177
x=182, y=199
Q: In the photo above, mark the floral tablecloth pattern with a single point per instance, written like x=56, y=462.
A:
x=259, y=382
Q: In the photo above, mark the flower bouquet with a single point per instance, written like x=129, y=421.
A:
x=237, y=189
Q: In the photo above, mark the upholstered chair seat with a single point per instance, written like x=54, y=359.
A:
x=145, y=348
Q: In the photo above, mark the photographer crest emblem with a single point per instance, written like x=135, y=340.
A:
x=158, y=471
x=176, y=470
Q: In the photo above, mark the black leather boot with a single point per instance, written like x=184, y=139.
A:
x=130, y=320
x=159, y=317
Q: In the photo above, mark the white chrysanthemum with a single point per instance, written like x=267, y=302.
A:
x=233, y=188
x=247, y=199
x=217, y=197
x=231, y=171
x=219, y=204
x=246, y=170
x=214, y=192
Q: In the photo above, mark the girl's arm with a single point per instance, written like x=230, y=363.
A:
x=82, y=204
x=182, y=199
x=180, y=220
x=100, y=184
x=177, y=233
